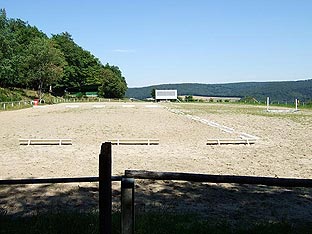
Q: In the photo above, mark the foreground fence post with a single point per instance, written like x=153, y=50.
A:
x=127, y=206
x=105, y=188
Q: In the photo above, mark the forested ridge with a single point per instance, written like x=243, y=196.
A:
x=29, y=59
x=283, y=91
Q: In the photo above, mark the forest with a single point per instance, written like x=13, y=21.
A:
x=283, y=91
x=29, y=59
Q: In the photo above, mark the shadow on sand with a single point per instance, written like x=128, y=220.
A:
x=229, y=202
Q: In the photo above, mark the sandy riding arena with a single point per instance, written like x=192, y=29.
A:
x=283, y=149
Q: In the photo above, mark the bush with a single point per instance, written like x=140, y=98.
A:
x=189, y=98
x=11, y=95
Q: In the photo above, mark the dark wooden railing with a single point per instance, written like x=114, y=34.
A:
x=127, y=186
x=270, y=181
x=105, y=188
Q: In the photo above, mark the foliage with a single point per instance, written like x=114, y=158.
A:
x=113, y=85
x=189, y=98
x=153, y=93
x=44, y=62
x=29, y=59
x=84, y=70
x=180, y=99
x=81, y=68
x=309, y=104
x=7, y=95
x=249, y=99
x=277, y=91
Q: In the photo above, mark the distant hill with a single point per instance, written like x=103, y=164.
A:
x=277, y=91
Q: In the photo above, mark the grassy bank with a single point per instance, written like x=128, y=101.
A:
x=151, y=223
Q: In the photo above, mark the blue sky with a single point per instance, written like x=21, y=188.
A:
x=180, y=41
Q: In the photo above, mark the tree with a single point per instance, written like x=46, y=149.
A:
x=153, y=93
x=45, y=63
x=15, y=37
x=112, y=85
x=29, y=59
x=5, y=50
x=189, y=98
x=81, y=68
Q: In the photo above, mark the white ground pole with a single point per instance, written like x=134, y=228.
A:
x=296, y=102
x=268, y=103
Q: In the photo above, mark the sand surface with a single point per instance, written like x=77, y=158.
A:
x=283, y=149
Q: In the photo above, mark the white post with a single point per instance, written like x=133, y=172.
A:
x=268, y=103
x=12, y=104
x=296, y=103
x=3, y=106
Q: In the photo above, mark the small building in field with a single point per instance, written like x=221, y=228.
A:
x=92, y=94
x=164, y=95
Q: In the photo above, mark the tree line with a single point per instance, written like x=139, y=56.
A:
x=283, y=91
x=30, y=59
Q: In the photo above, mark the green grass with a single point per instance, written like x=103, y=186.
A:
x=16, y=106
x=151, y=223
x=303, y=116
x=9, y=95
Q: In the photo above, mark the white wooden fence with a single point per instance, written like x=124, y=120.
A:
x=14, y=104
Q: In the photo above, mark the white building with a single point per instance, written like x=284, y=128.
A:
x=166, y=94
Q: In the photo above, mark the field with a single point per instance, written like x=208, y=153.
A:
x=283, y=149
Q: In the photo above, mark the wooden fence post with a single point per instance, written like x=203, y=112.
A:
x=105, y=188
x=127, y=205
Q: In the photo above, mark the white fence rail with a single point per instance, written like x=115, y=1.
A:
x=10, y=105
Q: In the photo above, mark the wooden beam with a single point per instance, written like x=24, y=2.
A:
x=45, y=141
x=127, y=206
x=134, y=142
x=54, y=180
x=270, y=181
x=230, y=141
x=105, y=188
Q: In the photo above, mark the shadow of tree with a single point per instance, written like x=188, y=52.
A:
x=228, y=202
x=24, y=200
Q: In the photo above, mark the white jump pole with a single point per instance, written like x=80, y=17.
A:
x=268, y=103
x=296, y=103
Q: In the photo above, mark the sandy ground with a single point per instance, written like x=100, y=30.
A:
x=284, y=149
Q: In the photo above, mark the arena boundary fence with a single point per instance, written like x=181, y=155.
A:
x=28, y=103
x=14, y=104
x=105, y=179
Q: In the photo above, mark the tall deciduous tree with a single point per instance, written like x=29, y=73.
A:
x=113, y=85
x=5, y=50
x=82, y=67
x=45, y=63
